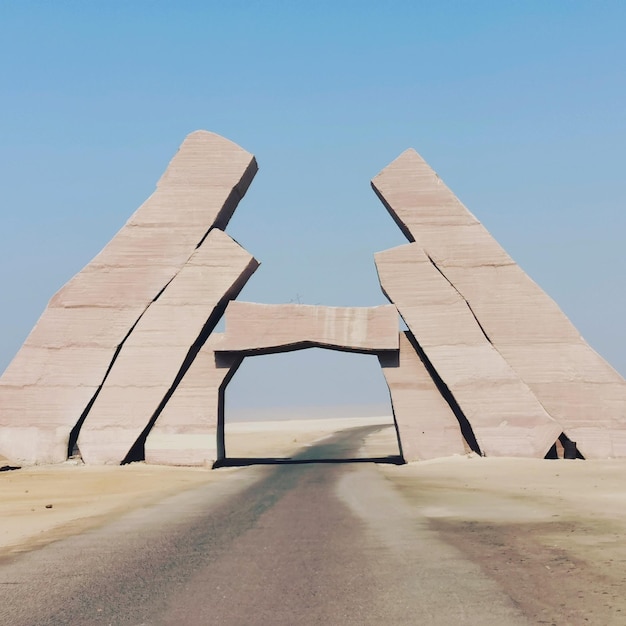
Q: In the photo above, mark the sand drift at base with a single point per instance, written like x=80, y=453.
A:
x=84, y=496
x=124, y=364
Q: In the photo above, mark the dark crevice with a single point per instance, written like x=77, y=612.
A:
x=570, y=451
x=465, y=426
x=221, y=221
x=396, y=428
x=553, y=452
x=550, y=454
x=205, y=236
x=299, y=345
x=9, y=468
x=469, y=306
x=399, y=223
x=564, y=448
x=392, y=359
x=233, y=365
x=466, y=429
x=232, y=202
x=138, y=452
x=72, y=444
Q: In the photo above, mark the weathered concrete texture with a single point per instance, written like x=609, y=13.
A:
x=506, y=418
x=576, y=386
x=260, y=328
x=52, y=379
x=427, y=427
x=186, y=431
x=168, y=334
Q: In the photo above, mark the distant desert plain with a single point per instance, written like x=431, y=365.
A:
x=551, y=533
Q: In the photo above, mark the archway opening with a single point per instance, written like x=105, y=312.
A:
x=279, y=408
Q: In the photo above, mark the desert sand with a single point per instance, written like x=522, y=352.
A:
x=84, y=496
x=550, y=532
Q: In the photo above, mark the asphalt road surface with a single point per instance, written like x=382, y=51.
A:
x=288, y=544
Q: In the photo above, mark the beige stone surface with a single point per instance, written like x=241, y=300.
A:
x=48, y=385
x=573, y=383
x=256, y=328
x=426, y=424
x=505, y=416
x=155, y=353
x=186, y=431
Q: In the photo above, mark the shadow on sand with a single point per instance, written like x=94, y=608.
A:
x=247, y=461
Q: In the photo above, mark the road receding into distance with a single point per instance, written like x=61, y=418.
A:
x=292, y=543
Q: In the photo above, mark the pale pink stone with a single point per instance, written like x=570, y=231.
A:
x=426, y=425
x=65, y=358
x=155, y=354
x=257, y=328
x=189, y=430
x=575, y=386
x=506, y=418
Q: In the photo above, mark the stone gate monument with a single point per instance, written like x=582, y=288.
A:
x=124, y=362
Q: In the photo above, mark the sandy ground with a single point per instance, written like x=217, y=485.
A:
x=44, y=503
x=552, y=533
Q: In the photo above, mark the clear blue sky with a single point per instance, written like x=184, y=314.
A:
x=519, y=106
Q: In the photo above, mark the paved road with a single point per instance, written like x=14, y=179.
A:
x=304, y=543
